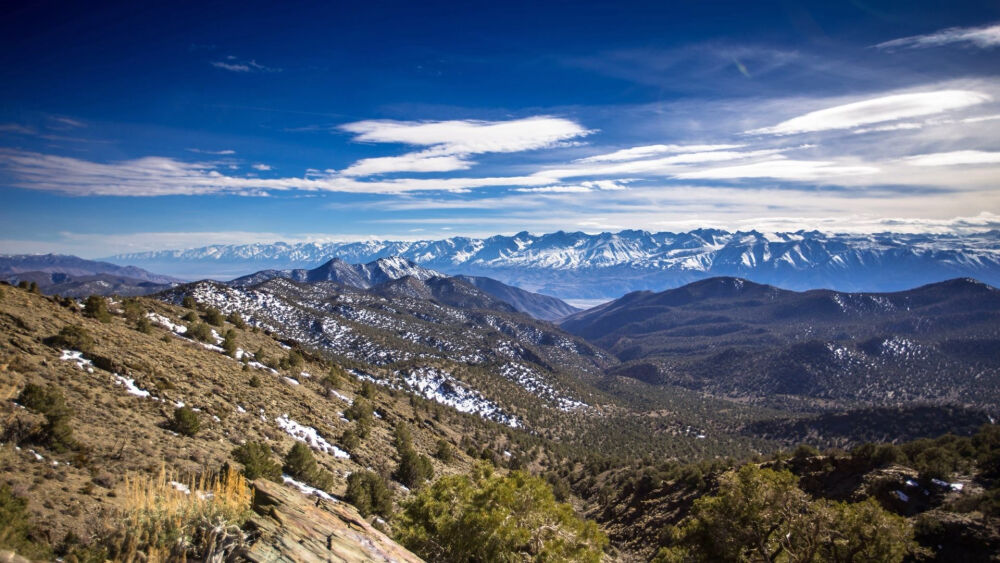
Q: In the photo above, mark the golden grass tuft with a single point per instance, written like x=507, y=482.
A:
x=166, y=519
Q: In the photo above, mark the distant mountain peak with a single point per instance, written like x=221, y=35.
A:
x=576, y=265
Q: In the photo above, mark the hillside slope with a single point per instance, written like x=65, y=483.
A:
x=123, y=391
x=734, y=337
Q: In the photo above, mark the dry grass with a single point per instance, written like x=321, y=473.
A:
x=165, y=519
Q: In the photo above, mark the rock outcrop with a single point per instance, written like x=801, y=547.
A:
x=290, y=526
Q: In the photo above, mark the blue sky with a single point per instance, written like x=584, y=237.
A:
x=128, y=128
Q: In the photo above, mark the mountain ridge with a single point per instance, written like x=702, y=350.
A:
x=572, y=265
x=731, y=337
x=75, y=266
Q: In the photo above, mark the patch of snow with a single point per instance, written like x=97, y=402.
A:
x=166, y=323
x=290, y=381
x=258, y=365
x=130, y=386
x=901, y=496
x=306, y=489
x=77, y=357
x=310, y=436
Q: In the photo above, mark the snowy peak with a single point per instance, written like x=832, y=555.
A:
x=360, y=276
x=394, y=268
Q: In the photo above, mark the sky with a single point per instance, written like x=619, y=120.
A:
x=141, y=126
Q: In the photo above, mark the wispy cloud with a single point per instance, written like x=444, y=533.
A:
x=985, y=37
x=17, y=128
x=665, y=166
x=160, y=176
x=783, y=169
x=954, y=158
x=261, y=167
x=877, y=110
x=235, y=64
x=648, y=151
x=412, y=162
x=450, y=143
x=66, y=122
x=223, y=152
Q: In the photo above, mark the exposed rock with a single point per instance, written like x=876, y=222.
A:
x=290, y=526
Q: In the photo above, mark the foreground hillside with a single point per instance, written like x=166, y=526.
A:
x=123, y=382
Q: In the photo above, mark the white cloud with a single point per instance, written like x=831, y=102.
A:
x=954, y=158
x=981, y=118
x=877, y=110
x=556, y=189
x=234, y=64
x=412, y=162
x=582, y=187
x=647, y=151
x=261, y=167
x=782, y=169
x=450, y=143
x=907, y=126
x=470, y=137
x=984, y=37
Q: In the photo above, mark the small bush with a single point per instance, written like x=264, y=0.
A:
x=132, y=309
x=293, y=361
x=257, y=461
x=369, y=493
x=56, y=432
x=16, y=529
x=189, y=303
x=332, y=380
x=96, y=307
x=402, y=438
x=190, y=317
x=300, y=464
x=144, y=326
x=445, y=452
x=350, y=440
x=483, y=517
x=186, y=421
x=368, y=390
x=214, y=317
x=74, y=337
x=254, y=381
x=229, y=343
x=202, y=332
x=236, y=320
x=361, y=413
x=804, y=451
x=414, y=469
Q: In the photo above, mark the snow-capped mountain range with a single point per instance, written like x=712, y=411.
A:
x=607, y=265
